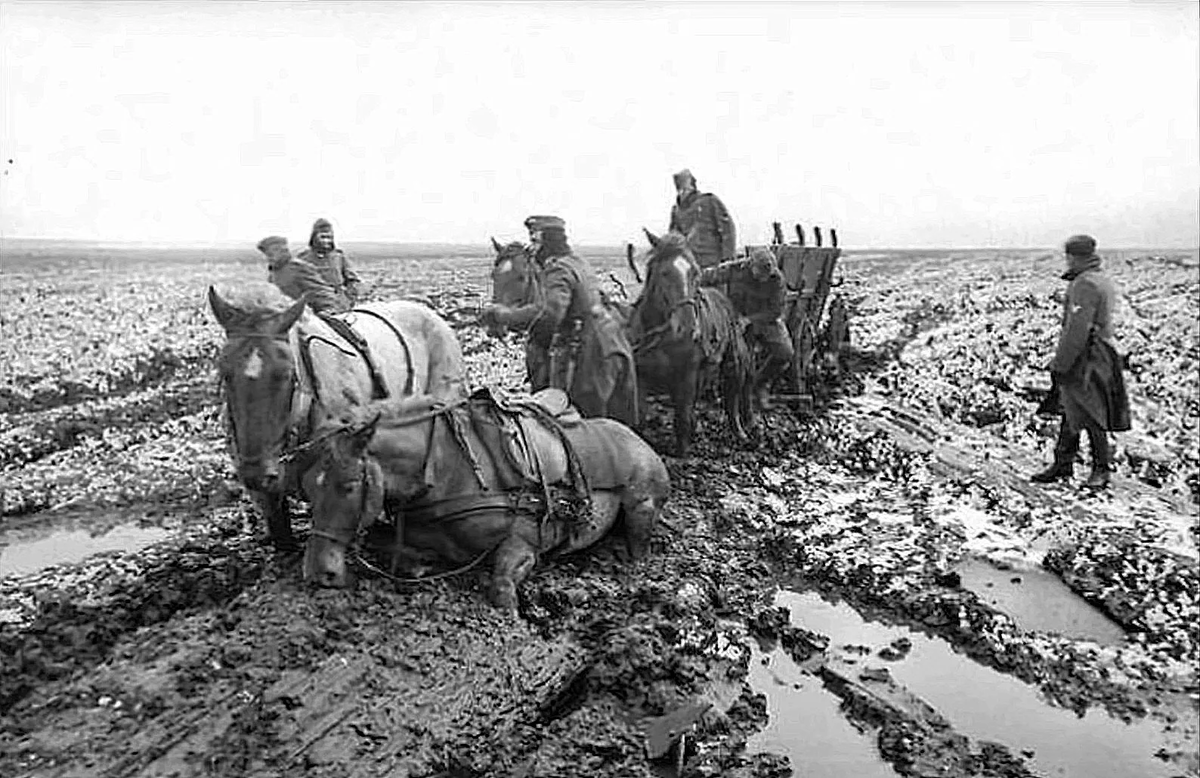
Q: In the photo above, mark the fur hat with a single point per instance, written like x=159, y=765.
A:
x=273, y=240
x=683, y=175
x=762, y=260
x=321, y=225
x=1080, y=245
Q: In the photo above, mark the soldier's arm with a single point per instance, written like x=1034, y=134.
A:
x=350, y=279
x=673, y=225
x=725, y=228
x=1073, y=340
x=719, y=274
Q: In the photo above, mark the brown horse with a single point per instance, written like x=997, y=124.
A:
x=285, y=371
x=483, y=476
x=684, y=334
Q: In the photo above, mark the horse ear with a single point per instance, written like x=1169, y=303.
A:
x=226, y=314
x=284, y=321
x=650, y=236
x=496, y=245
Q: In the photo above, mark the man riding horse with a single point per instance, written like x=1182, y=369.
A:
x=704, y=220
x=330, y=261
x=756, y=288
x=575, y=344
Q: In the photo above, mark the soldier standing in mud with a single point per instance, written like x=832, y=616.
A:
x=1086, y=369
x=297, y=278
x=756, y=289
x=331, y=261
x=703, y=219
x=574, y=344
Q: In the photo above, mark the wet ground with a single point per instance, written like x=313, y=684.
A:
x=875, y=590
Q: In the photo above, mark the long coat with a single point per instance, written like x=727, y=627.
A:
x=604, y=382
x=708, y=227
x=335, y=267
x=1086, y=364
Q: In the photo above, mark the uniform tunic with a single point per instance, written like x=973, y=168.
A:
x=297, y=278
x=1086, y=363
x=334, y=266
x=708, y=227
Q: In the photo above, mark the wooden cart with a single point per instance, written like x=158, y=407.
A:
x=817, y=324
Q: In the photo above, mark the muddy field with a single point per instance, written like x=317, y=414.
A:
x=876, y=589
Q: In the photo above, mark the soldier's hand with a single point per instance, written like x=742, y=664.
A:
x=491, y=317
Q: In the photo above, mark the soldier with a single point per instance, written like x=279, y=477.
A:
x=331, y=261
x=574, y=344
x=1086, y=368
x=297, y=278
x=704, y=221
x=756, y=289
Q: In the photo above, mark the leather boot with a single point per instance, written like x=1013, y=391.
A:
x=1064, y=457
x=1101, y=460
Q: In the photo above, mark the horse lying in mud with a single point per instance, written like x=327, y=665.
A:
x=285, y=370
x=516, y=479
x=683, y=334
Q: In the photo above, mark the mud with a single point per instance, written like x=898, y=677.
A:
x=814, y=606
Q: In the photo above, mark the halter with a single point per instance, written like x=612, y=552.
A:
x=653, y=336
x=290, y=433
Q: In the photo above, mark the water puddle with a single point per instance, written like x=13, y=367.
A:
x=56, y=546
x=979, y=702
x=1039, y=600
x=805, y=725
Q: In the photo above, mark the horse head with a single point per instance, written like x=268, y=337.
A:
x=346, y=489
x=514, y=276
x=257, y=367
x=356, y=465
x=671, y=284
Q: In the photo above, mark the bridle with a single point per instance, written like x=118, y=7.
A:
x=289, y=433
x=649, y=338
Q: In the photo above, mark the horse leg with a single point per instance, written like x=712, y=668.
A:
x=273, y=506
x=641, y=516
x=513, y=560
x=683, y=397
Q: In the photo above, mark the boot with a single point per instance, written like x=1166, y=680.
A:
x=1101, y=460
x=1064, y=457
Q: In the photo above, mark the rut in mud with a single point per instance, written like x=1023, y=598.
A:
x=876, y=528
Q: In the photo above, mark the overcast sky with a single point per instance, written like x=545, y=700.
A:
x=904, y=124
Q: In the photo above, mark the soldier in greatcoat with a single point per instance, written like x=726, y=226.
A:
x=702, y=218
x=1086, y=369
x=756, y=288
x=297, y=278
x=333, y=263
x=575, y=344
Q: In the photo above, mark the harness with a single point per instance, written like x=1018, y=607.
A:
x=491, y=497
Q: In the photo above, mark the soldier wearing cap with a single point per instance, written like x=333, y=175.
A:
x=331, y=261
x=297, y=278
x=574, y=343
x=703, y=219
x=756, y=289
x=1086, y=369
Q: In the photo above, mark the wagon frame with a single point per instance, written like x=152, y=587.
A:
x=818, y=326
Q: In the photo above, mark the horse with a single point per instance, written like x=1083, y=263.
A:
x=514, y=479
x=683, y=334
x=284, y=371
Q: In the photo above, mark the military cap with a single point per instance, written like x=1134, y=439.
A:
x=762, y=258
x=544, y=222
x=683, y=175
x=322, y=224
x=1080, y=245
x=273, y=240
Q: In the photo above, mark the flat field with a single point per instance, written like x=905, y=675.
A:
x=794, y=595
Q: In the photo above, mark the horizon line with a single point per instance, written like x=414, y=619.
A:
x=250, y=245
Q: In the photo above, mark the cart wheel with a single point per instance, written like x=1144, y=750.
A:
x=804, y=344
x=837, y=333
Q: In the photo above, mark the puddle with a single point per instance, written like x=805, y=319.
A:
x=62, y=546
x=1039, y=600
x=805, y=725
x=979, y=702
